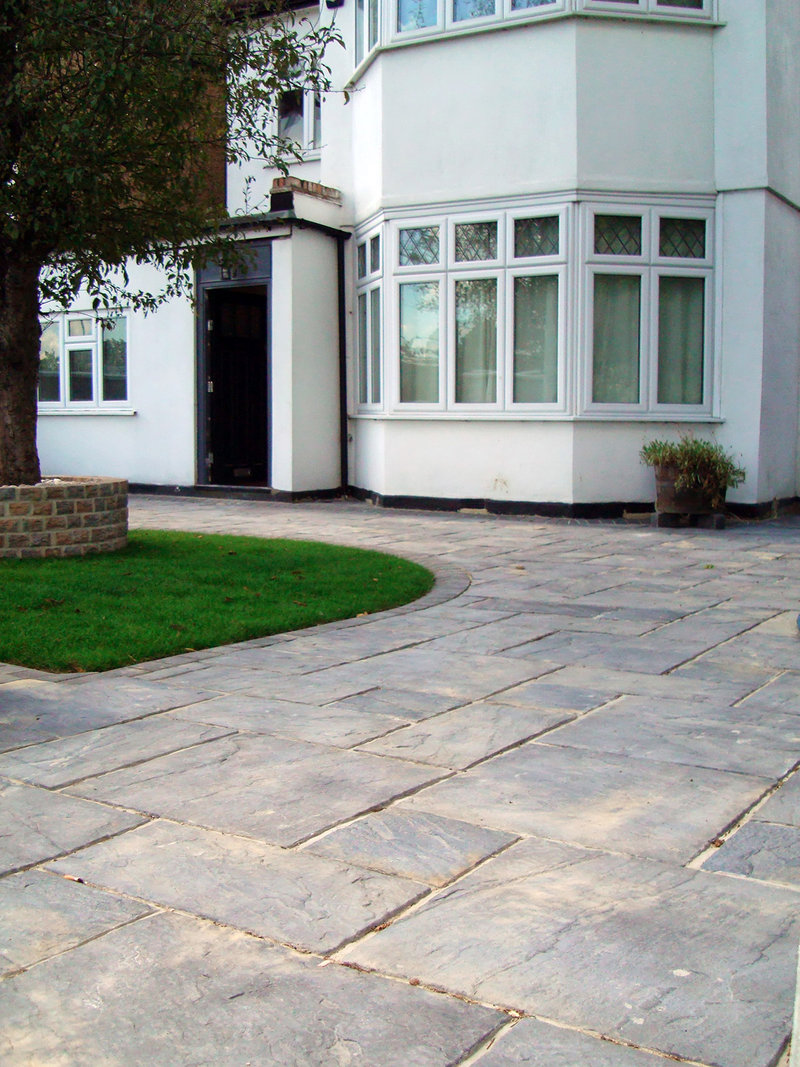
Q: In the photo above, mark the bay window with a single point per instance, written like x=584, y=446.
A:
x=368, y=312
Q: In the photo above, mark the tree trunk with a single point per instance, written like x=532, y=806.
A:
x=19, y=368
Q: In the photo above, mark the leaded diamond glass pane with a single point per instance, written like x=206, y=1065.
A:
x=362, y=260
x=682, y=238
x=419, y=247
x=618, y=235
x=375, y=254
x=536, y=237
x=476, y=241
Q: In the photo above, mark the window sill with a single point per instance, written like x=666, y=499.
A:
x=127, y=412
x=530, y=416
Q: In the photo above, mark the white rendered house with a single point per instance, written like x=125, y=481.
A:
x=527, y=236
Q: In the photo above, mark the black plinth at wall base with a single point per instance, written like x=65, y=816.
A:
x=714, y=520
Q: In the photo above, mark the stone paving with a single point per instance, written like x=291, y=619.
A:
x=549, y=815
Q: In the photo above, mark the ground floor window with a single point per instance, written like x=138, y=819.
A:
x=83, y=361
x=580, y=308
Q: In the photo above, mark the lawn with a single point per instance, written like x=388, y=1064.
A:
x=168, y=593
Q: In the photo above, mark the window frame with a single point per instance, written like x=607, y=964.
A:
x=94, y=342
x=368, y=370
x=309, y=145
x=650, y=266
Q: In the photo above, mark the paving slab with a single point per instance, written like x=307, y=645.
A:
x=639, y=807
x=266, y=787
x=783, y=806
x=37, y=825
x=334, y=724
x=32, y=710
x=781, y=692
x=407, y=704
x=412, y=844
x=532, y=1043
x=460, y=738
x=307, y=901
x=696, y=734
x=763, y=850
x=176, y=989
x=41, y=915
x=57, y=763
x=635, y=950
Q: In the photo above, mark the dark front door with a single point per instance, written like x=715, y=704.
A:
x=237, y=386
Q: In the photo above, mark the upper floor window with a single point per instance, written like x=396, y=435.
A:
x=299, y=118
x=425, y=17
x=367, y=27
x=83, y=361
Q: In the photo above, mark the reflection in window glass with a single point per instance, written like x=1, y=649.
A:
x=618, y=235
x=363, y=353
x=79, y=327
x=419, y=246
x=615, y=358
x=518, y=5
x=476, y=241
x=682, y=238
x=362, y=260
x=416, y=14
x=476, y=341
x=419, y=342
x=115, y=359
x=290, y=116
x=536, y=339
x=79, y=362
x=472, y=9
x=50, y=363
x=316, y=123
x=536, y=237
x=375, y=344
x=681, y=329
x=374, y=254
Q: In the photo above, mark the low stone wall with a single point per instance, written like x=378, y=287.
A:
x=63, y=517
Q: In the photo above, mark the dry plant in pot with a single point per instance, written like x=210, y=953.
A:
x=692, y=476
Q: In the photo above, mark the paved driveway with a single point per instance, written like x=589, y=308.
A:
x=546, y=816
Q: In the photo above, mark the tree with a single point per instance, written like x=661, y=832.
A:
x=116, y=120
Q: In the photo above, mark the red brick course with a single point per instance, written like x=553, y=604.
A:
x=63, y=517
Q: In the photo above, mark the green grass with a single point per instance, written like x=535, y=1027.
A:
x=168, y=593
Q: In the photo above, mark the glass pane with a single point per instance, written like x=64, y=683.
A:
x=476, y=241
x=615, y=358
x=363, y=353
x=536, y=237
x=518, y=5
x=375, y=254
x=375, y=343
x=316, y=128
x=290, y=116
x=79, y=327
x=472, y=9
x=419, y=246
x=536, y=340
x=359, y=31
x=416, y=14
x=681, y=330
x=49, y=363
x=419, y=342
x=115, y=359
x=476, y=341
x=373, y=23
x=682, y=238
x=80, y=374
x=362, y=260
x=618, y=235
x=695, y=4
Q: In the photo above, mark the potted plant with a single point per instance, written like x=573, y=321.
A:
x=692, y=476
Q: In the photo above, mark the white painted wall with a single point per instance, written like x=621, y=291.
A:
x=783, y=97
x=156, y=444
x=305, y=363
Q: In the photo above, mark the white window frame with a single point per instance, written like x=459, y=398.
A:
x=649, y=7
x=362, y=37
x=310, y=144
x=649, y=266
x=94, y=342
x=486, y=273
x=370, y=282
